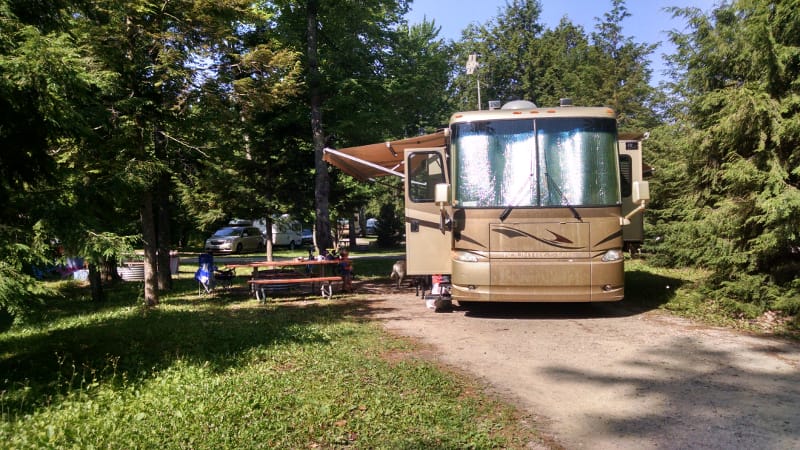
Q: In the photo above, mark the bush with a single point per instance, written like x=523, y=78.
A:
x=20, y=294
x=390, y=227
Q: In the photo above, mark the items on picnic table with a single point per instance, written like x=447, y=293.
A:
x=283, y=274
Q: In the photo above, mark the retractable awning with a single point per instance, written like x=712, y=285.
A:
x=377, y=160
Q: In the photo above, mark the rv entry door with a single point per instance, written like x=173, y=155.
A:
x=427, y=245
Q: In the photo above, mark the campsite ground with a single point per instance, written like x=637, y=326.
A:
x=611, y=376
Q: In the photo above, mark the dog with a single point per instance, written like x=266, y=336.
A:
x=421, y=283
x=399, y=271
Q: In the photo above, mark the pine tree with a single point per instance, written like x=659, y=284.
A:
x=740, y=216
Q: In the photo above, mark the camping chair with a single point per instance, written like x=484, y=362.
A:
x=224, y=277
x=205, y=274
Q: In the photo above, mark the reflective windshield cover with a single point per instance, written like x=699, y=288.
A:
x=536, y=163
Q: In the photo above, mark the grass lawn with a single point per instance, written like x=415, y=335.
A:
x=222, y=371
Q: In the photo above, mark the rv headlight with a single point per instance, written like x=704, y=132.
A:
x=465, y=256
x=612, y=255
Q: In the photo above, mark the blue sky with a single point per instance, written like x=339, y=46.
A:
x=647, y=24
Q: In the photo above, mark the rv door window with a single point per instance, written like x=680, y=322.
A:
x=425, y=172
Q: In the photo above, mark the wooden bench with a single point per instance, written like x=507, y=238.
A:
x=259, y=285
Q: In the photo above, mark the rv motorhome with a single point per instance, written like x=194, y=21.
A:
x=517, y=204
x=286, y=232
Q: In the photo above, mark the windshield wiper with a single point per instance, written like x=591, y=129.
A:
x=505, y=213
x=564, y=199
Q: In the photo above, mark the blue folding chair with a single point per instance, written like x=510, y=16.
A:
x=205, y=274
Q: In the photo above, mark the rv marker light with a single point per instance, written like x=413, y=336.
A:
x=465, y=256
x=612, y=255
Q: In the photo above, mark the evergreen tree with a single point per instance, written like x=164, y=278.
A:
x=503, y=49
x=151, y=48
x=739, y=215
x=48, y=106
x=620, y=71
x=568, y=45
x=389, y=227
x=519, y=59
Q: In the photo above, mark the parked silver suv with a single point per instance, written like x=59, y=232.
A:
x=235, y=240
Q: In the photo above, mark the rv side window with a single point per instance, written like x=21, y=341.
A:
x=626, y=174
x=425, y=171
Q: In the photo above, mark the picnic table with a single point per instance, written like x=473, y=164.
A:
x=281, y=274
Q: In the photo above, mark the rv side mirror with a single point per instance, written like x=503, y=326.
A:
x=640, y=192
x=442, y=194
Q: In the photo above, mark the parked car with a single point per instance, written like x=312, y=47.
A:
x=307, y=236
x=343, y=228
x=235, y=240
x=372, y=226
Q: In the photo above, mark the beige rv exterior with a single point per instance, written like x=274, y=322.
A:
x=517, y=205
x=632, y=166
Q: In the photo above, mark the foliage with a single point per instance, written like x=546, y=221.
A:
x=735, y=201
x=20, y=294
x=390, y=226
x=502, y=45
x=520, y=59
x=417, y=76
x=227, y=373
x=569, y=45
x=48, y=106
x=619, y=72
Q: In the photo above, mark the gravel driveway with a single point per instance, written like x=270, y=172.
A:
x=602, y=377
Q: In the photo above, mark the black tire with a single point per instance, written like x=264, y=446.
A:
x=291, y=245
x=239, y=248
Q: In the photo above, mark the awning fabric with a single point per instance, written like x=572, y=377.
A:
x=377, y=160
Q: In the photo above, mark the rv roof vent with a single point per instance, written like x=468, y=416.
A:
x=519, y=104
x=566, y=102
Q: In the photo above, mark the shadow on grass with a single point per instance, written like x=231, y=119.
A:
x=129, y=343
x=644, y=291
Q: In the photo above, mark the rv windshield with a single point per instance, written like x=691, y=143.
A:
x=536, y=163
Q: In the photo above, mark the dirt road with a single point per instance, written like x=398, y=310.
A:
x=602, y=377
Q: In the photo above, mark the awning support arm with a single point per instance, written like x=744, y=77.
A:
x=361, y=161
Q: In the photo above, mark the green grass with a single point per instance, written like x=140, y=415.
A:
x=676, y=290
x=222, y=371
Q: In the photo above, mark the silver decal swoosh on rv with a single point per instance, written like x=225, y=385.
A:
x=558, y=240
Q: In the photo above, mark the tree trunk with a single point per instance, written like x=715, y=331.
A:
x=351, y=234
x=268, y=221
x=321, y=180
x=150, y=249
x=163, y=237
x=96, y=284
x=109, y=270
